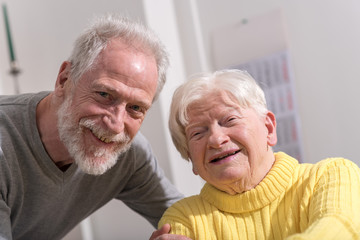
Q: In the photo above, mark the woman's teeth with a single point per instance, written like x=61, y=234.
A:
x=218, y=159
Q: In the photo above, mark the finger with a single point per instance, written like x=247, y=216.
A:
x=163, y=230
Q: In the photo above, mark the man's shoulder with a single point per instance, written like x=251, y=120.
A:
x=21, y=99
x=139, y=152
x=140, y=139
x=140, y=143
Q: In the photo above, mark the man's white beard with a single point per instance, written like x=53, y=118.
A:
x=90, y=159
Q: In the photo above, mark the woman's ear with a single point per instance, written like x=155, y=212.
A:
x=62, y=78
x=195, y=171
x=270, y=123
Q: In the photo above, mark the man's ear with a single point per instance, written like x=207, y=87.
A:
x=62, y=78
x=270, y=123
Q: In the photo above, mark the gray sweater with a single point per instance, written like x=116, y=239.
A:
x=39, y=201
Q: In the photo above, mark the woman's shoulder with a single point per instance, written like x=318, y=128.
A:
x=335, y=163
x=182, y=211
x=188, y=203
x=334, y=166
x=187, y=207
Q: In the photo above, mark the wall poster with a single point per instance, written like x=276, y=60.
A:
x=274, y=76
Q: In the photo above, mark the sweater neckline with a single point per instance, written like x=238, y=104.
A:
x=42, y=156
x=269, y=189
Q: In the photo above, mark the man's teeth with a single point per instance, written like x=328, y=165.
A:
x=105, y=140
x=101, y=138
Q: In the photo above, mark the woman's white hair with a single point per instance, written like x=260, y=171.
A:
x=95, y=38
x=239, y=85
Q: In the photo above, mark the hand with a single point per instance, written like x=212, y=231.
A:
x=163, y=234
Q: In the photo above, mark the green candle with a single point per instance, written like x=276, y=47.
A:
x=7, y=25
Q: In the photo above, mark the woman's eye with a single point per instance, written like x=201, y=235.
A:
x=195, y=135
x=230, y=119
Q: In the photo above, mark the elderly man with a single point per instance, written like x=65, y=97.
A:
x=66, y=153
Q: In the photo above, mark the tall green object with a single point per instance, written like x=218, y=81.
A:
x=14, y=69
x=8, y=33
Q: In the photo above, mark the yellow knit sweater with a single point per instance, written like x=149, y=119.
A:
x=294, y=201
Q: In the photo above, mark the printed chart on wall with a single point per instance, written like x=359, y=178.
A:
x=273, y=75
x=258, y=45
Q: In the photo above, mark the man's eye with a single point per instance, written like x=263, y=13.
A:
x=103, y=94
x=136, y=111
x=135, y=108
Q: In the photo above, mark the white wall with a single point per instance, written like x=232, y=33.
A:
x=323, y=37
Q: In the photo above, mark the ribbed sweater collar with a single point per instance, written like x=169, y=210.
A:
x=269, y=189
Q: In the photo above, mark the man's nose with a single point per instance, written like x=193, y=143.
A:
x=115, y=120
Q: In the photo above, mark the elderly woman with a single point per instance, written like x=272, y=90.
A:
x=220, y=122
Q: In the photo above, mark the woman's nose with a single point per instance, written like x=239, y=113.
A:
x=217, y=137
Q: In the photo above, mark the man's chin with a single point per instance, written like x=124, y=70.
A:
x=95, y=169
x=98, y=165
